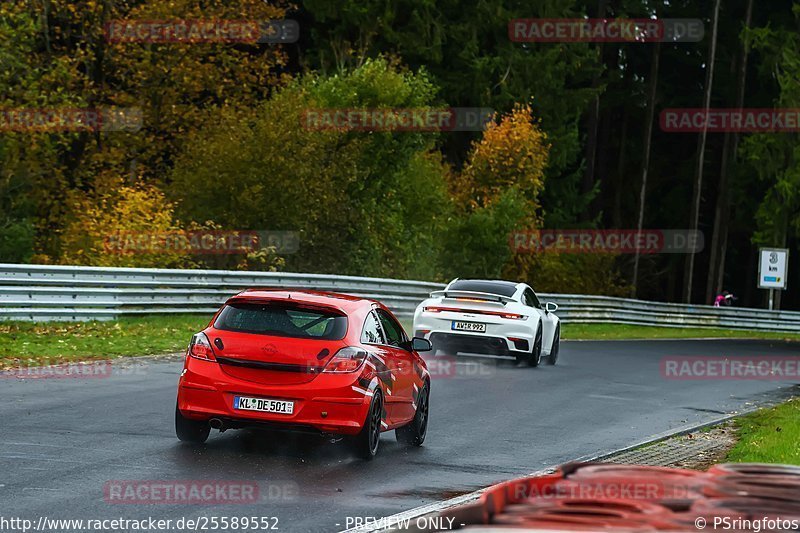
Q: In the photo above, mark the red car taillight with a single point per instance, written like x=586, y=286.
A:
x=501, y=314
x=345, y=360
x=200, y=348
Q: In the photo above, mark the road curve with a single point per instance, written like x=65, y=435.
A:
x=63, y=440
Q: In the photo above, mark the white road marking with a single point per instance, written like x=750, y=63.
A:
x=42, y=445
x=426, y=509
x=465, y=498
x=40, y=458
x=605, y=397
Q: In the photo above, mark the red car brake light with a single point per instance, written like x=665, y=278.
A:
x=501, y=314
x=346, y=360
x=200, y=348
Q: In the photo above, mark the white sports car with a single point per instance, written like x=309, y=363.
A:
x=490, y=317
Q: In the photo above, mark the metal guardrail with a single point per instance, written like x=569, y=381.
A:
x=68, y=293
x=44, y=292
x=596, y=309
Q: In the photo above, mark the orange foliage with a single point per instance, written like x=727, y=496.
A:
x=511, y=153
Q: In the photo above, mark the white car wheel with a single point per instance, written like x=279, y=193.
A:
x=553, y=357
x=536, y=355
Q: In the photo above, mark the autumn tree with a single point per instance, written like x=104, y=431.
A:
x=511, y=154
x=363, y=202
x=93, y=236
x=57, y=54
x=498, y=190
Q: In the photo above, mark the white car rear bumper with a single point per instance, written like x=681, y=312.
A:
x=502, y=336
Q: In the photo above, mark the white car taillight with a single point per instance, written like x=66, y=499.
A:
x=513, y=316
x=200, y=348
x=501, y=314
x=346, y=360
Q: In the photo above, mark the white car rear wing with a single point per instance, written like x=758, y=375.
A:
x=473, y=295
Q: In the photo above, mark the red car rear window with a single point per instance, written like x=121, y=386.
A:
x=282, y=320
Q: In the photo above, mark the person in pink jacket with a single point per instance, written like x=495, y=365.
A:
x=725, y=298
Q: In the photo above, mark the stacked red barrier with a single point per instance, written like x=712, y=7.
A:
x=629, y=498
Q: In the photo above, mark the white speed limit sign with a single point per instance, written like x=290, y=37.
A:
x=772, y=268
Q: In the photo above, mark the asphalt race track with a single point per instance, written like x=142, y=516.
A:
x=62, y=440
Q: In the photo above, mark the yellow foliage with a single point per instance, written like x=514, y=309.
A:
x=125, y=211
x=56, y=54
x=511, y=153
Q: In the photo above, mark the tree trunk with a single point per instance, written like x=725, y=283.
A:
x=698, y=183
x=750, y=299
x=590, y=154
x=782, y=240
x=648, y=132
x=719, y=239
x=622, y=165
x=601, y=161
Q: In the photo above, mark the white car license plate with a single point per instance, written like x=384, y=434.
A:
x=264, y=405
x=469, y=326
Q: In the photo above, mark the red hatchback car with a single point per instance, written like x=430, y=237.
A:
x=305, y=360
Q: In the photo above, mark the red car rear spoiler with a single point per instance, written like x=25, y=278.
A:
x=293, y=302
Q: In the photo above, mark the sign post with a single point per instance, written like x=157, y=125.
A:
x=773, y=266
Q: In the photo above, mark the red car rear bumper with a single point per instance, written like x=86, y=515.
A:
x=330, y=403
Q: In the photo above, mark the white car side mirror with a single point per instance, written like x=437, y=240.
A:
x=551, y=307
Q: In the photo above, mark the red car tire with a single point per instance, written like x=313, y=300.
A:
x=413, y=434
x=187, y=430
x=367, y=442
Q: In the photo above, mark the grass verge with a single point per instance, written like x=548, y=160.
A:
x=630, y=331
x=770, y=435
x=27, y=343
